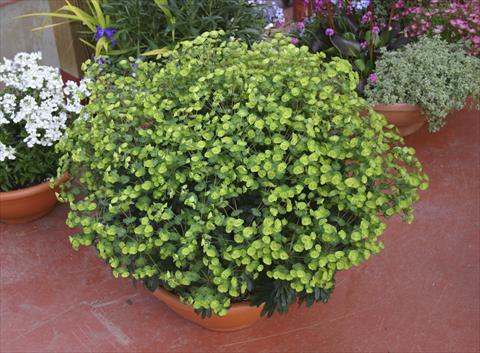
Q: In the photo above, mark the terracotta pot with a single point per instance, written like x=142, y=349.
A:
x=26, y=205
x=239, y=316
x=406, y=117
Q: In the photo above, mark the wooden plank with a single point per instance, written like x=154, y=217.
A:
x=71, y=51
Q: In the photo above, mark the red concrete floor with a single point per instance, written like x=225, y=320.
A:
x=421, y=294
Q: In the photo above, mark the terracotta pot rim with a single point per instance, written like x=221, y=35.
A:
x=403, y=107
x=172, y=297
x=31, y=190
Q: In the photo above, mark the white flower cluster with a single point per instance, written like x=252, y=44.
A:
x=6, y=152
x=34, y=96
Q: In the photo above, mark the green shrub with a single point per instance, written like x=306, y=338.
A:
x=432, y=73
x=229, y=174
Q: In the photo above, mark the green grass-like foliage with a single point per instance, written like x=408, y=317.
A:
x=143, y=25
x=432, y=73
x=227, y=173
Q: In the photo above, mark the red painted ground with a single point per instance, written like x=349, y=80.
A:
x=421, y=294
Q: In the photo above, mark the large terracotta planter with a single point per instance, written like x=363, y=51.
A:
x=239, y=316
x=29, y=204
x=406, y=117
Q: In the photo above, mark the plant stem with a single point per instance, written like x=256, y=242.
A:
x=330, y=15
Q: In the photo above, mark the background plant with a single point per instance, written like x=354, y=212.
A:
x=354, y=30
x=272, y=12
x=454, y=21
x=231, y=173
x=143, y=24
x=33, y=115
x=123, y=28
x=432, y=73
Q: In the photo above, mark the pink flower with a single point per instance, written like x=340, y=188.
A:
x=417, y=10
x=438, y=29
x=373, y=78
x=366, y=17
x=375, y=29
x=295, y=40
x=329, y=32
x=300, y=25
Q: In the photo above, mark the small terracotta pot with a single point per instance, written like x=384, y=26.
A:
x=239, y=316
x=29, y=204
x=407, y=118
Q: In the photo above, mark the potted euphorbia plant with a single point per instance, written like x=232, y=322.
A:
x=34, y=109
x=423, y=81
x=232, y=180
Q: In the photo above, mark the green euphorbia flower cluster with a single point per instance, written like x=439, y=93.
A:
x=227, y=173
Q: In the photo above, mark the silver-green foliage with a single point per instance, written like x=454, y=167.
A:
x=227, y=171
x=432, y=73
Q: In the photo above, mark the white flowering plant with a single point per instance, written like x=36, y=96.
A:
x=35, y=107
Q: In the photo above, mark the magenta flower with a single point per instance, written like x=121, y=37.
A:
x=373, y=78
x=329, y=32
x=295, y=40
x=300, y=25
x=366, y=17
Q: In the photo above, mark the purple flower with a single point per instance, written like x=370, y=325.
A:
x=99, y=34
x=300, y=25
x=295, y=40
x=360, y=4
x=109, y=32
x=364, y=45
x=102, y=60
x=375, y=29
x=329, y=32
x=271, y=11
x=373, y=78
x=366, y=17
